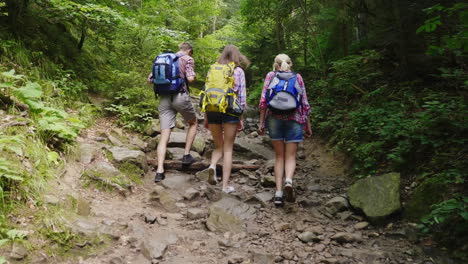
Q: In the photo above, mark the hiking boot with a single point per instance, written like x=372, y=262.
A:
x=288, y=191
x=159, y=176
x=278, y=201
x=212, y=179
x=188, y=160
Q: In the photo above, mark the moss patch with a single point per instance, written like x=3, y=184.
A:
x=425, y=195
x=132, y=171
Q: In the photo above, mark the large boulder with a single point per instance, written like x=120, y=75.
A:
x=122, y=154
x=253, y=148
x=154, y=246
x=177, y=140
x=378, y=197
x=228, y=215
x=178, y=153
x=153, y=128
x=165, y=198
x=87, y=152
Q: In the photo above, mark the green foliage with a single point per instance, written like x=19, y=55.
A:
x=53, y=227
x=448, y=220
x=54, y=124
x=446, y=210
x=8, y=234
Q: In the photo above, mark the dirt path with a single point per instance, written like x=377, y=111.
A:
x=185, y=220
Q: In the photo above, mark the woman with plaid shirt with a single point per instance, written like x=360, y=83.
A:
x=285, y=130
x=223, y=127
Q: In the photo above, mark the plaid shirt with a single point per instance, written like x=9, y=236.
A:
x=186, y=68
x=240, y=87
x=300, y=115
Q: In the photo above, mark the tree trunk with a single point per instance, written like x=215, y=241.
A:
x=363, y=23
x=16, y=10
x=402, y=43
x=305, y=50
x=344, y=39
x=83, y=36
x=279, y=35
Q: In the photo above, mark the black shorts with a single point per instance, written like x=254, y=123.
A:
x=221, y=118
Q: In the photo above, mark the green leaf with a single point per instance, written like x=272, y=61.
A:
x=30, y=90
x=11, y=74
x=53, y=157
x=6, y=85
x=16, y=234
x=3, y=242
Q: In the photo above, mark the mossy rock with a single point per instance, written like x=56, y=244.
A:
x=424, y=196
x=378, y=197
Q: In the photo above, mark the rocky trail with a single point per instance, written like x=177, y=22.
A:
x=125, y=217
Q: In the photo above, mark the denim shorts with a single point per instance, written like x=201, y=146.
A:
x=221, y=118
x=288, y=131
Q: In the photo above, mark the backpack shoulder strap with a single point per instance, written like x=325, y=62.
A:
x=232, y=66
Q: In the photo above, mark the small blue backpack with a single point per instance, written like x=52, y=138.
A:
x=166, y=74
x=282, y=95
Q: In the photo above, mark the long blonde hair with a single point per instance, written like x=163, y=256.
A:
x=282, y=63
x=232, y=54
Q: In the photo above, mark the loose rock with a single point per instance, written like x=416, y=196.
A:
x=196, y=213
x=336, y=205
x=307, y=236
x=361, y=225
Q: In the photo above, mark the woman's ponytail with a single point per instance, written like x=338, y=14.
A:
x=282, y=63
x=284, y=66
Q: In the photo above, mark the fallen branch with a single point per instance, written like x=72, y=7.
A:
x=357, y=88
x=201, y=165
x=7, y=100
x=13, y=123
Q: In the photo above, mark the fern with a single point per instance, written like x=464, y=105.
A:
x=8, y=172
x=13, y=144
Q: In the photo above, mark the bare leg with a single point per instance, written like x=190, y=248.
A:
x=165, y=135
x=290, y=161
x=217, y=134
x=278, y=145
x=230, y=130
x=191, y=133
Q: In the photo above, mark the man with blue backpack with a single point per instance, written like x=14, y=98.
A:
x=171, y=74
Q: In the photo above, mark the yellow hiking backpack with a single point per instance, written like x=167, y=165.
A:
x=218, y=95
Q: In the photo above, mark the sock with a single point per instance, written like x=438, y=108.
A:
x=288, y=181
x=214, y=168
x=279, y=194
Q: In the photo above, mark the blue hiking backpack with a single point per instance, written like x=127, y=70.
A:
x=166, y=74
x=282, y=95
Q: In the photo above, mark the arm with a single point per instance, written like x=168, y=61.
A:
x=240, y=88
x=261, y=125
x=149, y=80
x=263, y=104
x=190, y=70
x=305, y=107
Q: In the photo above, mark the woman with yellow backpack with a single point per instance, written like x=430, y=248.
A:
x=223, y=102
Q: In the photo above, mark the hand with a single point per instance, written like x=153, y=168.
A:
x=261, y=130
x=240, y=125
x=149, y=81
x=308, y=132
